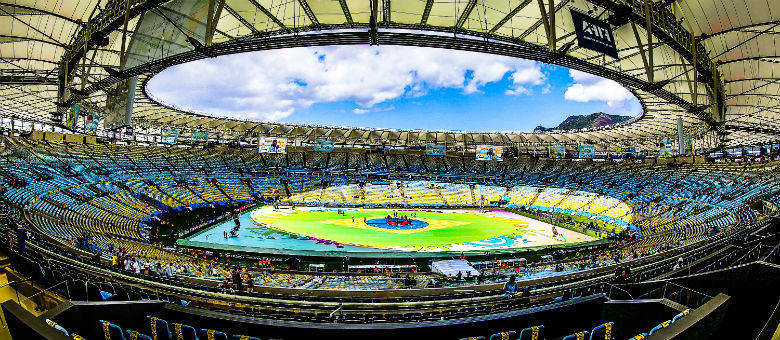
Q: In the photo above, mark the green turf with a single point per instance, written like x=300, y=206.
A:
x=308, y=223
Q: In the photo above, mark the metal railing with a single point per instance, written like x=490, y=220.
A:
x=685, y=296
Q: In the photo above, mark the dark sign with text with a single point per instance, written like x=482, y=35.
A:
x=594, y=34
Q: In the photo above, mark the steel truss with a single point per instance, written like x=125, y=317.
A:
x=664, y=26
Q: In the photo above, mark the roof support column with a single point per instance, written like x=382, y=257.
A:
x=553, y=36
x=347, y=14
x=122, y=52
x=695, y=75
x=86, y=70
x=642, y=53
x=426, y=12
x=372, y=23
x=548, y=20
x=720, y=109
x=649, y=29
x=212, y=19
x=693, y=86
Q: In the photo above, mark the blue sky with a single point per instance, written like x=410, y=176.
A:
x=389, y=87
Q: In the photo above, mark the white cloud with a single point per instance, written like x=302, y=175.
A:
x=588, y=87
x=272, y=85
x=361, y=111
x=517, y=90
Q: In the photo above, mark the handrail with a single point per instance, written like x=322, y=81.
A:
x=611, y=286
x=771, y=253
x=339, y=310
x=42, y=291
x=12, y=282
x=757, y=246
x=693, y=290
x=766, y=331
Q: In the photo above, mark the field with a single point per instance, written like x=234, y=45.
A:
x=443, y=229
x=362, y=230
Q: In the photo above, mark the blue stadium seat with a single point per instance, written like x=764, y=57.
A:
x=683, y=313
x=111, y=331
x=184, y=332
x=576, y=336
x=532, y=333
x=135, y=335
x=603, y=331
x=508, y=335
x=210, y=334
x=158, y=328
x=660, y=326
x=57, y=327
x=244, y=337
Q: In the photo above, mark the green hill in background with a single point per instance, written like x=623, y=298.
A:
x=592, y=120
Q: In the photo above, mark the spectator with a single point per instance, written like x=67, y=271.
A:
x=250, y=283
x=525, y=295
x=224, y=284
x=679, y=263
x=21, y=236
x=237, y=281
x=96, y=256
x=510, y=288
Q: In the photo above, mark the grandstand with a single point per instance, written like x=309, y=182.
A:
x=111, y=204
x=141, y=220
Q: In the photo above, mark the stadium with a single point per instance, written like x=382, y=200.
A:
x=129, y=214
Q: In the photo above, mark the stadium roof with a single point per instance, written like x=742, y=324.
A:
x=84, y=47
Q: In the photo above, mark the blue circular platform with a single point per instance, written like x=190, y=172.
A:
x=397, y=224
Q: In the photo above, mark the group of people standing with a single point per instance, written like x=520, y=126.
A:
x=395, y=217
x=239, y=280
x=132, y=263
